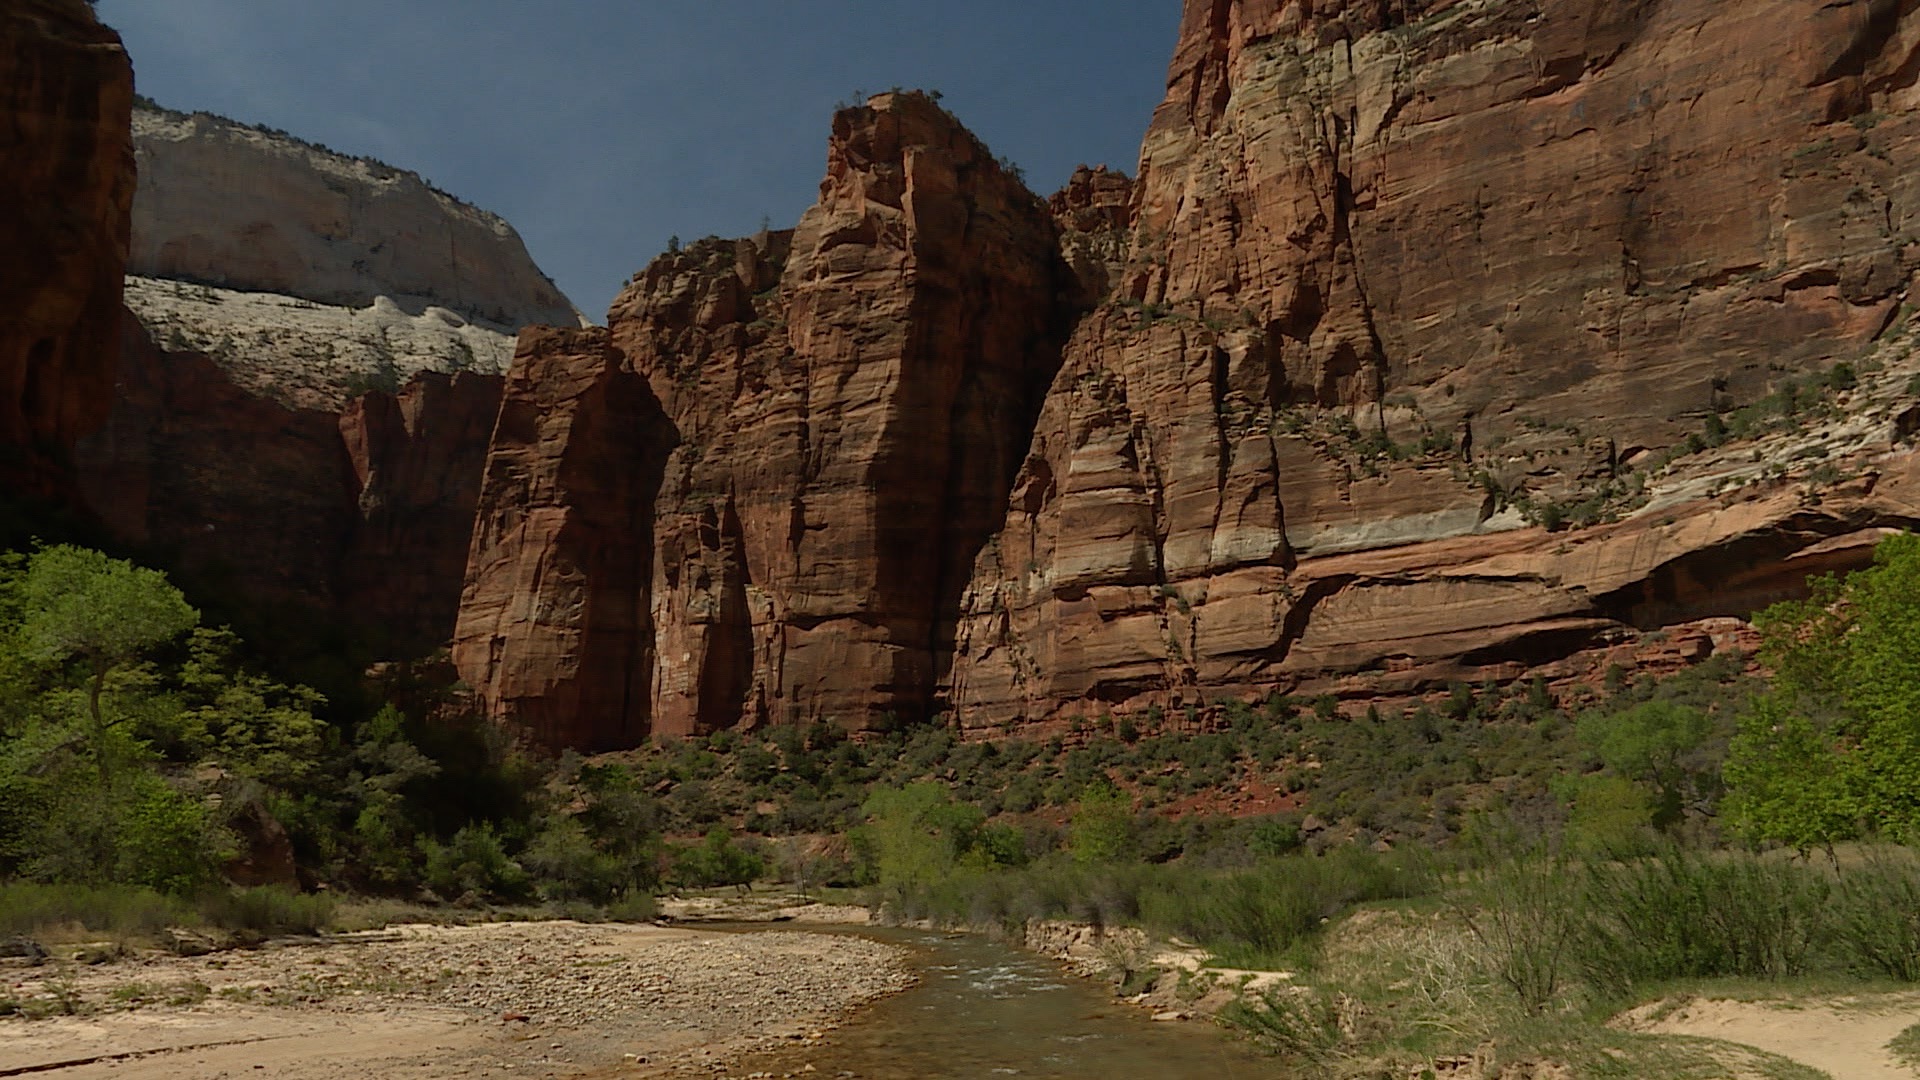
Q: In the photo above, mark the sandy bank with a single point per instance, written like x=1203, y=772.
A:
x=509, y=999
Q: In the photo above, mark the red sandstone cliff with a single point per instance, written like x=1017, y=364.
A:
x=417, y=458
x=846, y=404
x=554, y=629
x=66, y=95
x=1401, y=290
x=364, y=516
x=1569, y=229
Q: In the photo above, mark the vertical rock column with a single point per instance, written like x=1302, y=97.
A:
x=853, y=401
x=66, y=188
x=554, y=630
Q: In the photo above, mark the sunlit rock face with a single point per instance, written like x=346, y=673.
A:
x=221, y=203
x=846, y=406
x=1397, y=270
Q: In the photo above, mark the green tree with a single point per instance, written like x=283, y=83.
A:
x=717, y=860
x=1787, y=781
x=918, y=833
x=1834, y=748
x=248, y=723
x=1103, y=828
x=1610, y=815
x=80, y=606
x=1650, y=743
x=474, y=865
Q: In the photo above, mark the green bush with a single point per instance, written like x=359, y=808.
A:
x=716, y=861
x=569, y=867
x=29, y=909
x=1877, y=917
x=1686, y=914
x=474, y=866
x=269, y=910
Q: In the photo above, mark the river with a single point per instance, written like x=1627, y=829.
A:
x=983, y=1009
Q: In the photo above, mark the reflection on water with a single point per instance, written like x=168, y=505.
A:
x=984, y=1010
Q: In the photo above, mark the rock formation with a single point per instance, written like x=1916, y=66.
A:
x=554, y=628
x=1572, y=229
x=1436, y=340
x=364, y=516
x=66, y=88
x=847, y=405
x=417, y=457
x=221, y=203
x=308, y=355
x=292, y=440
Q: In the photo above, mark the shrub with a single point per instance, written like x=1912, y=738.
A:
x=717, y=860
x=269, y=910
x=1684, y=914
x=474, y=866
x=30, y=909
x=570, y=867
x=1877, y=917
x=1527, y=915
x=1298, y=1023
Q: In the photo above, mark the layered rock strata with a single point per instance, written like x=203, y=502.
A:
x=1399, y=271
x=363, y=516
x=554, y=627
x=314, y=356
x=66, y=90
x=846, y=404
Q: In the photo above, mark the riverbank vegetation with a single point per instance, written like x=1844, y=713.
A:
x=1549, y=856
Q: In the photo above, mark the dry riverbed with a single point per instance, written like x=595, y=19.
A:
x=551, y=999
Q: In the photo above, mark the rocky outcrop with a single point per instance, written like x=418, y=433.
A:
x=846, y=406
x=218, y=482
x=417, y=458
x=221, y=203
x=1095, y=214
x=1435, y=341
x=314, y=356
x=554, y=628
x=847, y=448
x=363, y=517
x=1405, y=276
x=66, y=89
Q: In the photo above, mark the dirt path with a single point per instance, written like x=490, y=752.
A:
x=1845, y=1038
x=509, y=999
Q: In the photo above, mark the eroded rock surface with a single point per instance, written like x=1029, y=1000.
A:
x=314, y=356
x=846, y=403
x=221, y=203
x=846, y=444
x=554, y=628
x=363, y=516
x=1400, y=272
x=66, y=90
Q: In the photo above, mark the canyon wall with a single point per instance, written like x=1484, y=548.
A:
x=66, y=90
x=554, y=628
x=1400, y=271
x=301, y=416
x=222, y=203
x=361, y=515
x=1434, y=341
x=845, y=404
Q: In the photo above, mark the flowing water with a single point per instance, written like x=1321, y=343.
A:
x=988, y=1010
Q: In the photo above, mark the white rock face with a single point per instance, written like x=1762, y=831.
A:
x=311, y=355
x=227, y=205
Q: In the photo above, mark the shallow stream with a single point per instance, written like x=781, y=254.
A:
x=984, y=1009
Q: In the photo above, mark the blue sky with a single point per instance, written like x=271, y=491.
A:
x=602, y=127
